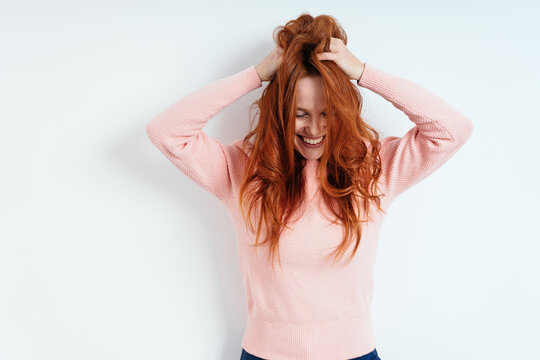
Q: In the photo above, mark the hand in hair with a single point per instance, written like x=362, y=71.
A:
x=345, y=59
x=268, y=66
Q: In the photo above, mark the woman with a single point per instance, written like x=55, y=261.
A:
x=314, y=181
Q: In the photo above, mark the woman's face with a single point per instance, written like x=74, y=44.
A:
x=310, y=117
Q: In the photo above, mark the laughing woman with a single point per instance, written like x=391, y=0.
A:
x=308, y=186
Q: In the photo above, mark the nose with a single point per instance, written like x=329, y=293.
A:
x=317, y=127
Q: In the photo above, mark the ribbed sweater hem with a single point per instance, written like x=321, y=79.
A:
x=338, y=340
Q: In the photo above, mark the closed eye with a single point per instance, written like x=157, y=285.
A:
x=303, y=115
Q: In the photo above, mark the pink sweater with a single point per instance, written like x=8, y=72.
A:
x=308, y=310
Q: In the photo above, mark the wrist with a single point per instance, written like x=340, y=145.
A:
x=362, y=68
x=258, y=72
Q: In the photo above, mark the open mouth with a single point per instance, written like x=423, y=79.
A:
x=315, y=143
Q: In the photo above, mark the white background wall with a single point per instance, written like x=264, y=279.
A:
x=107, y=251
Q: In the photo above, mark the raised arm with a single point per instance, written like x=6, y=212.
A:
x=178, y=132
x=439, y=131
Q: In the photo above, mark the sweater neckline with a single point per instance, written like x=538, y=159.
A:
x=311, y=169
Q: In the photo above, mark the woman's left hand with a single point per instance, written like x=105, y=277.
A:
x=345, y=59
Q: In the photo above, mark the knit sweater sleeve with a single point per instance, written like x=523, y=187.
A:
x=178, y=132
x=439, y=131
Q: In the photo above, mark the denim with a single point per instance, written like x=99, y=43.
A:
x=369, y=356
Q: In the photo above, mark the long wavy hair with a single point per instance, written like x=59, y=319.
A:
x=273, y=185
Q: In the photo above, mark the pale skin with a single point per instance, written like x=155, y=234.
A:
x=310, y=102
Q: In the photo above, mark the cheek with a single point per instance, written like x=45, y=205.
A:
x=298, y=126
x=296, y=131
x=297, y=144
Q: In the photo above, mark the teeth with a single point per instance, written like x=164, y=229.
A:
x=313, y=142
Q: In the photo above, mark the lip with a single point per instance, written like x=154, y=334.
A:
x=310, y=146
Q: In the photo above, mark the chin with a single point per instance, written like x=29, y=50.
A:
x=311, y=156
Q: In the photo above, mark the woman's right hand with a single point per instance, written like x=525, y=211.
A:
x=268, y=66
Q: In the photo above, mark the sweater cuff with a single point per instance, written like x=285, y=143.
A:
x=377, y=80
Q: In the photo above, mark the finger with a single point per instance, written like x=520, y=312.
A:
x=333, y=45
x=325, y=56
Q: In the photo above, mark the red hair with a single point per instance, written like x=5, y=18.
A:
x=273, y=184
